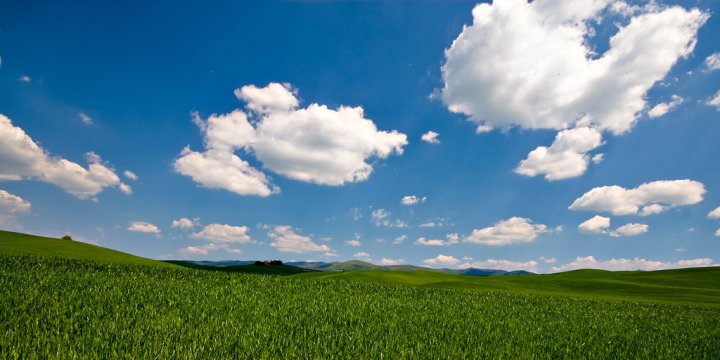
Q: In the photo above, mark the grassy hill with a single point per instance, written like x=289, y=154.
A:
x=697, y=285
x=351, y=265
x=245, y=269
x=12, y=243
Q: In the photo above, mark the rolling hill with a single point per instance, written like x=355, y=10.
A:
x=250, y=268
x=694, y=285
x=354, y=265
x=12, y=243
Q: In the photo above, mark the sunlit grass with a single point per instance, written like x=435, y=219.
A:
x=61, y=308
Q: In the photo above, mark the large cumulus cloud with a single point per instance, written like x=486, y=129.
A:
x=530, y=64
x=314, y=144
x=22, y=158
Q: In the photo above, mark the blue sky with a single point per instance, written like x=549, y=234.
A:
x=523, y=97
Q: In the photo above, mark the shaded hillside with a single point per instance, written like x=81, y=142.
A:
x=251, y=268
x=311, y=265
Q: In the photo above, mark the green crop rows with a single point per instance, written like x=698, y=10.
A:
x=61, y=308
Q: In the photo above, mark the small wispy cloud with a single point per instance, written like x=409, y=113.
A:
x=85, y=119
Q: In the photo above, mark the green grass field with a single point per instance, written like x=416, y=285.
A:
x=699, y=285
x=55, y=304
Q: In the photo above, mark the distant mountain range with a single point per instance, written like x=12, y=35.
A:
x=362, y=265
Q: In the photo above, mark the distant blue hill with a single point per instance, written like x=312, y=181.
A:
x=362, y=265
x=221, y=262
x=491, y=272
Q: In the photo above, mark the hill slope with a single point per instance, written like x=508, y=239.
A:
x=696, y=285
x=12, y=243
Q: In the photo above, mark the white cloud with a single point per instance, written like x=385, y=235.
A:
x=130, y=175
x=663, y=108
x=429, y=242
x=224, y=170
x=445, y=260
x=505, y=232
x=362, y=255
x=125, y=188
x=10, y=222
x=548, y=260
x=286, y=240
x=85, y=119
x=222, y=233
x=620, y=201
x=386, y=261
x=713, y=61
x=25, y=79
x=13, y=204
x=567, y=157
x=589, y=262
x=21, y=158
x=600, y=225
x=399, y=239
x=717, y=233
x=529, y=64
x=143, y=227
x=482, y=128
x=353, y=242
x=715, y=214
x=506, y=265
x=438, y=222
x=430, y=137
x=206, y=248
x=631, y=229
x=595, y=225
x=623, y=8
x=652, y=209
x=381, y=217
x=450, y=239
x=714, y=101
x=313, y=144
x=272, y=98
x=412, y=200
x=184, y=223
